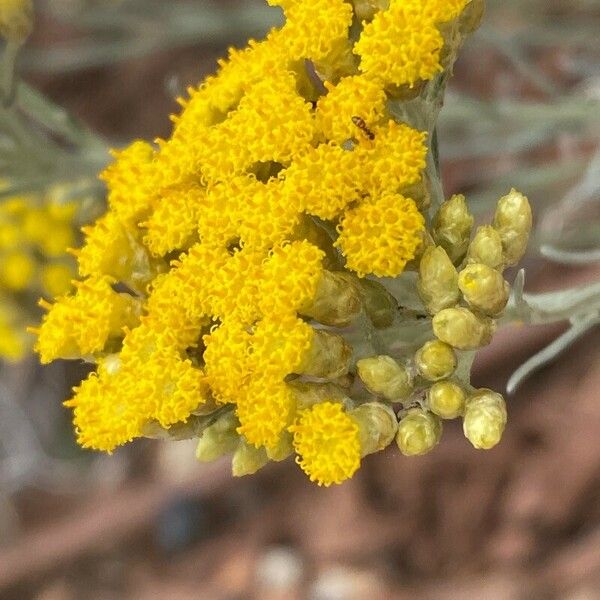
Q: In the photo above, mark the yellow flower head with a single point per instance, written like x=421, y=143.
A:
x=81, y=324
x=327, y=442
x=381, y=235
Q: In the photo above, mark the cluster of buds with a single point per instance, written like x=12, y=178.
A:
x=271, y=279
x=461, y=287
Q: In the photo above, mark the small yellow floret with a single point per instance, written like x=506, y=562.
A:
x=130, y=180
x=265, y=408
x=381, y=235
x=324, y=180
x=394, y=160
x=173, y=223
x=313, y=27
x=81, y=324
x=353, y=102
x=290, y=277
x=328, y=444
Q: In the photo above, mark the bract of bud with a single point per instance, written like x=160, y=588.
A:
x=379, y=304
x=486, y=248
x=435, y=360
x=452, y=227
x=419, y=432
x=328, y=357
x=438, y=280
x=484, y=288
x=472, y=15
x=513, y=221
x=283, y=449
x=247, y=459
x=377, y=424
x=308, y=394
x=382, y=375
x=192, y=428
x=16, y=19
x=337, y=301
x=219, y=438
x=365, y=9
x=484, y=419
x=446, y=399
x=462, y=329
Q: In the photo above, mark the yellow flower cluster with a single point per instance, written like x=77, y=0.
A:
x=35, y=233
x=232, y=249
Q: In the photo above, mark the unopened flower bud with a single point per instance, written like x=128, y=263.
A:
x=446, y=399
x=484, y=288
x=329, y=356
x=247, y=459
x=16, y=19
x=452, y=227
x=486, y=248
x=418, y=432
x=513, y=222
x=484, y=419
x=379, y=304
x=219, y=438
x=337, y=301
x=377, y=426
x=462, y=329
x=438, y=280
x=382, y=375
x=435, y=360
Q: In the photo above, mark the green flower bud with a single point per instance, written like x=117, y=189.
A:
x=484, y=419
x=446, y=399
x=16, y=20
x=438, y=280
x=513, y=222
x=247, y=459
x=337, y=301
x=435, y=360
x=462, y=329
x=418, y=432
x=452, y=227
x=379, y=304
x=219, y=438
x=484, y=288
x=382, y=375
x=486, y=248
x=377, y=424
x=329, y=356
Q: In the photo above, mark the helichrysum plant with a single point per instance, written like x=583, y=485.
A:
x=282, y=275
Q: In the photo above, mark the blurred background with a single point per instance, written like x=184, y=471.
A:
x=519, y=522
